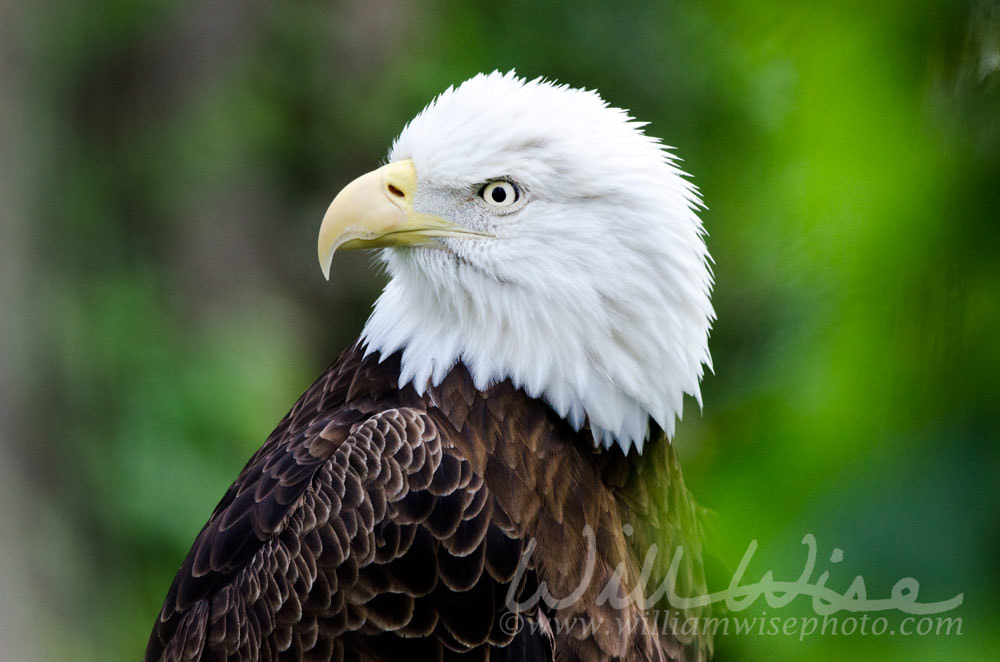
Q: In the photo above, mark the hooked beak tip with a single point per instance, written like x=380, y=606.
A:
x=325, y=263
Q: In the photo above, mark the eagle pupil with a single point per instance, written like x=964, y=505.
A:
x=498, y=194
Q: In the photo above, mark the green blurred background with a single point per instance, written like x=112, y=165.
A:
x=165, y=166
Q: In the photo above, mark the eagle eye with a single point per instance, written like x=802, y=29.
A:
x=499, y=193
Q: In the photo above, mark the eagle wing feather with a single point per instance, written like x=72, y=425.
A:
x=350, y=532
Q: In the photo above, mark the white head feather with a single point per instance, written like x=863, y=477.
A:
x=593, y=291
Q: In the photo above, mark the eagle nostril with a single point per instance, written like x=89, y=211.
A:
x=395, y=191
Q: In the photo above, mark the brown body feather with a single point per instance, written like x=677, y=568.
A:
x=378, y=524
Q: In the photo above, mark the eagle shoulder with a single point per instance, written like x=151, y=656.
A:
x=357, y=528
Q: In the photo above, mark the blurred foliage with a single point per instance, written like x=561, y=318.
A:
x=174, y=161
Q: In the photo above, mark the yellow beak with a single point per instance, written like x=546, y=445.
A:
x=376, y=210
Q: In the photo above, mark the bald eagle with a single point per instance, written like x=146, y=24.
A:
x=487, y=473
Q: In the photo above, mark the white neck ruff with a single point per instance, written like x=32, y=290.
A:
x=615, y=367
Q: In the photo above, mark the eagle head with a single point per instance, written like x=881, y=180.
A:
x=535, y=233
